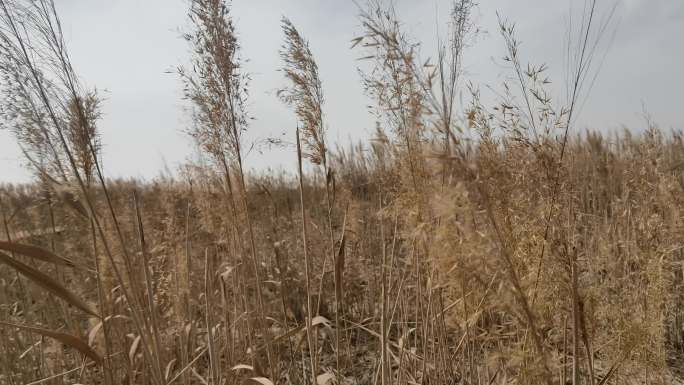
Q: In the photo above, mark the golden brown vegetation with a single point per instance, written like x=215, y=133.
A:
x=490, y=249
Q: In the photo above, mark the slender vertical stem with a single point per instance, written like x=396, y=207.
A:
x=383, y=302
x=575, y=325
x=307, y=272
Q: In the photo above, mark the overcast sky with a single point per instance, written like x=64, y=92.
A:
x=125, y=48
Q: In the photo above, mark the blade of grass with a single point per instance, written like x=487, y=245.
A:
x=47, y=283
x=36, y=252
x=66, y=339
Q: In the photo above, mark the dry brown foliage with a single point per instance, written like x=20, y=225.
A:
x=495, y=247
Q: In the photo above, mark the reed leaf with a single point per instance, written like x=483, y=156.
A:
x=66, y=339
x=36, y=252
x=47, y=283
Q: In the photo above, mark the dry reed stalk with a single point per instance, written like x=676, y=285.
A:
x=305, y=95
x=619, y=232
x=218, y=90
x=309, y=308
x=147, y=275
x=384, y=359
x=20, y=45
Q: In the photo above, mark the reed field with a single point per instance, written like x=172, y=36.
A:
x=466, y=242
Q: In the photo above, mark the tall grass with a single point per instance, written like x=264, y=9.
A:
x=477, y=243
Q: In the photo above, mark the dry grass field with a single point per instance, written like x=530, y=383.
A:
x=495, y=246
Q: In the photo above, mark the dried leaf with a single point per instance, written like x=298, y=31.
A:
x=325, y=378
x=320, y=320
x=92, y=334
x=169, y=368
x=242, y=366
x=262, y=380
x=66, y=339
x=134, y=349
x=47, y=283
x=36, y=252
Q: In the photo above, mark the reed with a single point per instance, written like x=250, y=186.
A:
x=467, y=242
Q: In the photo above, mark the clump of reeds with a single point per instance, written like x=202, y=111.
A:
x=217, y=87
x=485, y=244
